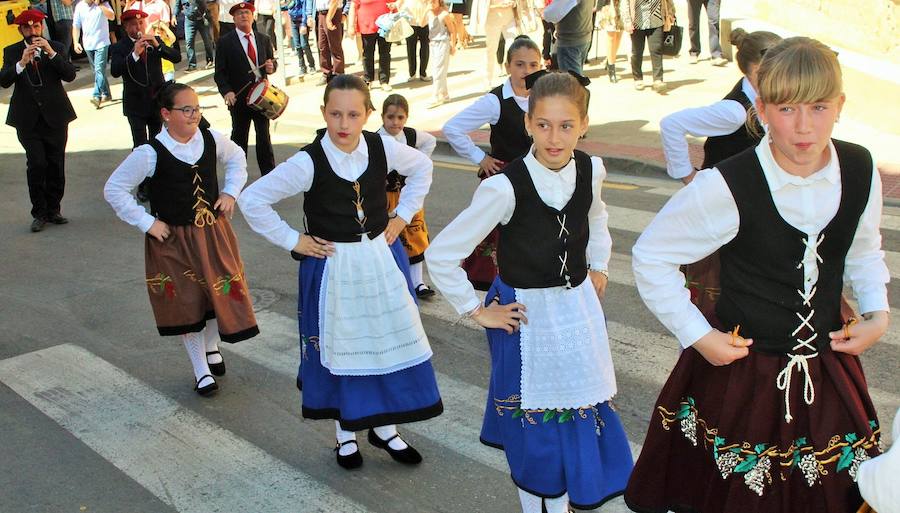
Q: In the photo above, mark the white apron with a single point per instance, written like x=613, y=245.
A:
x=566, y=361
x=368, y=321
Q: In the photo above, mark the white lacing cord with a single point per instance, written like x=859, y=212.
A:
x=807, y=297
x=562, y=226
x=564, y=258
x=804, y=322
x=814, y=247
x=783, y=381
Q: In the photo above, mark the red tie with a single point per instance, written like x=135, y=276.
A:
x=251, y=52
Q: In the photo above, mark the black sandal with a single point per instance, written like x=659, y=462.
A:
x=423, y=291
x=350, y=461
x=208, y=389
x=409, y=456
x=218, y=369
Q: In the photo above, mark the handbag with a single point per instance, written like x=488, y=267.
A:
x=671, y=44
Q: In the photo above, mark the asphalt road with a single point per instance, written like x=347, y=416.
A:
x=97, y=412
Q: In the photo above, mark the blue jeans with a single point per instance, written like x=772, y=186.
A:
x=98, y=59
x=571, y=58
x=300, y=43
x=191, y=28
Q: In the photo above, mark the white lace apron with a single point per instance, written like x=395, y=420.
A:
x=368, y=321
x=566, y=361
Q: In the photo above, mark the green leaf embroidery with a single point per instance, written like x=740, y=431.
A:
x=873, y=424
x=226, y=287
x=759, y=448
x=691, y=401
x=800, y=441
x=548, y=415
x=746, y=465
x=566, y=416
x=851, y=438
x=518, y=413
x=487, y=251
x=846, y=459
x=719, y=441
x=683, y=411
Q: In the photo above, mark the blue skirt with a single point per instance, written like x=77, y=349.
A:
x=583, y=452
x=358, y=402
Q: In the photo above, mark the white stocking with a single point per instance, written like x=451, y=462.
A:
x=385, y=432
x=211, y=337
x=558, y=505
x=196, y=349
x=530, y=503
x=345, y=436
x=415, y=274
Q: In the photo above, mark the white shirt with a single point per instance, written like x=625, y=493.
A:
x=93, y=25
x=295, y=175
x=485, y=110
x=141, y=163
x=720, y=118
x=494, y=203
x=877, y=478
x=245, y=44
x=425, y=142
x=702, y=217
x=555, y=12
x=20, y=68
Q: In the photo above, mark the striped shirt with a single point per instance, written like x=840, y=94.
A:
x=61, y=11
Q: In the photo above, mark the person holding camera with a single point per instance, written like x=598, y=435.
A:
x=195, y=12
x=40, y=111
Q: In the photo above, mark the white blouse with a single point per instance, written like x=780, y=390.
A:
x=485, y=110
x=720, y=118
x=141, y=163
x=702, y=217
x=425, y=142
x=295, y=175
x=494, y=203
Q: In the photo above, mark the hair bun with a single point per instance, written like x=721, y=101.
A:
x=738, y=36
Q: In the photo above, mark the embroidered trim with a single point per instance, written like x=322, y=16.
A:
x=846, y=451
x=203, y=216
x=513, y=402
x=303, y=345
x=230, y=285
x=696, y=289
x=162, y=284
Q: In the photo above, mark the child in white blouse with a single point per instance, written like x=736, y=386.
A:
x=563, y=441
x=767, y=409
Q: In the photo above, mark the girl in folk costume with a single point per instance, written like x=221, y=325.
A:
x=354, y=276
x=724, y=123
x=504, y=109
x=195, y=276
x=772, y=412
x=551, y=372
x=414, y=237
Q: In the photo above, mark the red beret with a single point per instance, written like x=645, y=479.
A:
x=242, y=5
x=29, y=17
x=133, y=14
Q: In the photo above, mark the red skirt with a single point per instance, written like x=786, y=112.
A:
x=718, y=440
x=481, y=265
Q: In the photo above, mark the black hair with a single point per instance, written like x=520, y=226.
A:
x=167, y=93
x=397, y=100
x=519, y=43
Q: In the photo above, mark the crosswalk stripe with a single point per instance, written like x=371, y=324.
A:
x=172, y=452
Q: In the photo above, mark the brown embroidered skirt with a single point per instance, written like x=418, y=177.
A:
x=718, y=441
x=196, y=275
x=415, y=236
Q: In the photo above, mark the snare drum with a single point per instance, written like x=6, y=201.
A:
x=268, y=99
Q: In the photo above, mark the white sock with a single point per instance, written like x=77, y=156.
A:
x=196, y=349
x=530, y=503
x=385, y=432
x=415, y=274
x=345, y=436
x=211, y=337
x=558, y=505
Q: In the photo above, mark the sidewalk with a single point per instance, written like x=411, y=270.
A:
x=624, y=122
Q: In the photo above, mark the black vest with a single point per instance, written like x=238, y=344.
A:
x=396, y=181
x=533, y=244
x=720, y=147
x=330, y=205
x=178, y=189
x=509, y=140
x=761, y=272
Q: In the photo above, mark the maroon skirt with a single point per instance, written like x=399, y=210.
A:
x=718, y=440
x=481, y=265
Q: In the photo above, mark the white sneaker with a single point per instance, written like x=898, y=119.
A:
x=386, y=87
x=639, y=85
x=659, y=86
x=719, y=61
x=692, y=59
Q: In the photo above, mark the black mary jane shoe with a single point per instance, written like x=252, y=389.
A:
x=218, y=369
x=208, y=389
x=408, y=456
x=350, y=461
x=423, y=292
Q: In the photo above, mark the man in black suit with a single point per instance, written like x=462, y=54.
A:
x=235, y=77
x=40, y=112
x=138, y=60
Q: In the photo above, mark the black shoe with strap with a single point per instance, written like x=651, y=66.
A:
x=208, y=389
x=409, y=456
x=350, y=461
x=423, y=292
x=218, y=369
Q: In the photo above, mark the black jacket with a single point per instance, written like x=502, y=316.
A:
x=233, y=67
x=38, y=93
x=139, y=97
